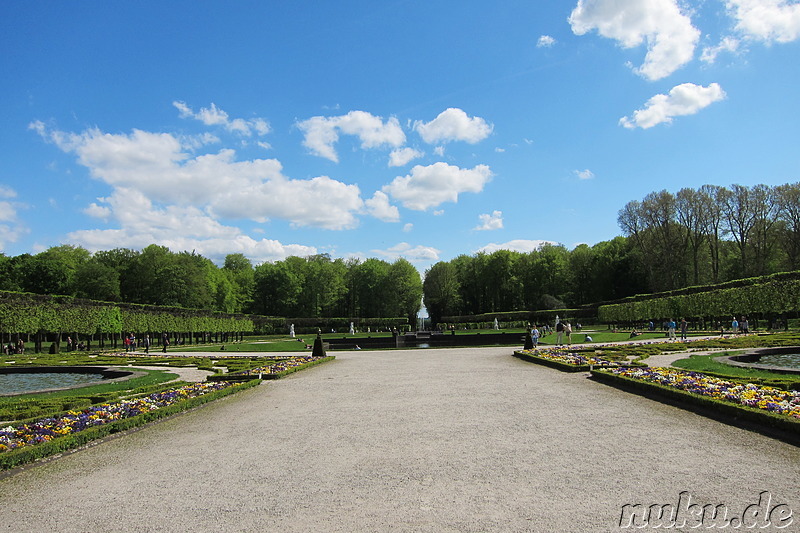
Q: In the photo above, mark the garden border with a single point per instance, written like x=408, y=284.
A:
x=22, y=456
x=240, y=376
x=551, y=363
x=773, y=425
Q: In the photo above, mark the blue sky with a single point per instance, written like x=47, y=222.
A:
x=380, y=129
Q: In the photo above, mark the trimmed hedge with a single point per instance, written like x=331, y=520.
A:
x=29, y=454
x=28, y=313
x=718, y=409
x=775, y=294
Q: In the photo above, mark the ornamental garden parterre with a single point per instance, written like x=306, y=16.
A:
x=748, y=394
x=47, y=429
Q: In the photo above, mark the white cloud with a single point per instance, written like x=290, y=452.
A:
x=684, y=99
x=402, y=156
x=439, y=150
x=667, y=32
x=379, y=207
x=727, y=44
x=490, y=222
x=7, y=212
x=321, y=133
x=214, y=116
x=10, y=227
x=545, y=41
x=178, y=228
x=584, y=174
x=517, y=245
x=98, y=211
x=408, y=227
x=411, y=253
x=766, y=20
x=155, y=165
x=453, y=124
x=429, y=186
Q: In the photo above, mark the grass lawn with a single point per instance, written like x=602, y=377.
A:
x=706, y=363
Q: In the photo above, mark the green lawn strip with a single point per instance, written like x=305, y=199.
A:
x=28, y=454
x=725, y=411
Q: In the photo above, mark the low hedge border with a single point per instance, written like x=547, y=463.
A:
x=773, y=424
x=28, y=454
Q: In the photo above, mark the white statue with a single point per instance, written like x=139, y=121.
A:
x=352, y=331
x=291, y=330
x=496, y=325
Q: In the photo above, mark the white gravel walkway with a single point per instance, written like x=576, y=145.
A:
x=445, y=440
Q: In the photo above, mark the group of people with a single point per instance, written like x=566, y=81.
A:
x=563, y=330
x=76, y=345
x=11, y=348
x=131, y=343
x=740, y=326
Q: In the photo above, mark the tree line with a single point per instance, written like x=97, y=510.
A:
x=699, y=236
x=712, y=234
x=314, y=286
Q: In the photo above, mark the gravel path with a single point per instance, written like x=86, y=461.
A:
x=421, y=440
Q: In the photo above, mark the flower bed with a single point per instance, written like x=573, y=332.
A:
x=755, y=403
x=29, y=441
x=565, y=360
x=281, y=367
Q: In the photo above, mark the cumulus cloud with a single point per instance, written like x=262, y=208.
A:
x=517, y=245
x=321, y=133
x=684, y=99
x=411, y=253
x=157, y=166
x=379, y=207
x=766, y=20
x=403, y=156
x=98, y=211
x=408, y=227
x=429, y=186
x=545, y=41
x=584, y=174
x=179, y=228
x=214, y=116
x=490, y=222
x=10, y=227
x=667, y=32
x=453, y=124
x=727, y=44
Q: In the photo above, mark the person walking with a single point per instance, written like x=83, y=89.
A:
x=559, y=333
x=671, y=330
x=684, y=328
